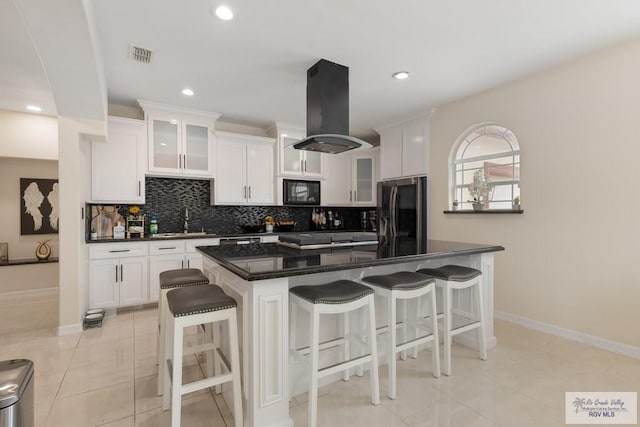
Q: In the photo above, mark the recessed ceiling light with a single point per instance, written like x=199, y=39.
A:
x=34, y=108
x=401, y=75
x=224, y=13
x=173, y=121
x=187, y=92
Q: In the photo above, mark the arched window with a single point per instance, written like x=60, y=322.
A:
x=494, y=150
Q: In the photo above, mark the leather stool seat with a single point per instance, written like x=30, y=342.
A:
x=455, y=273
x=198, y=299
x=401, y=280
x=182, y=277
x=338, y=292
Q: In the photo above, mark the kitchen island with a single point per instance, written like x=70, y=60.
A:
x=259, y=277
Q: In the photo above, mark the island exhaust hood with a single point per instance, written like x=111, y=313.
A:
x=328, y=110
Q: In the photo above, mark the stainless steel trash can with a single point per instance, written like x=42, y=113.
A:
x=16, y=393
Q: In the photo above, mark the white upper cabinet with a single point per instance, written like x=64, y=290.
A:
x=244, y=170
x=351, y=178
x=118, y=165
x=181, y=141
x=292, y=162
x=404, y=149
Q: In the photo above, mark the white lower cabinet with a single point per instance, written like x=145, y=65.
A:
x=172, y=255
x=115, y=279
x=123, y=274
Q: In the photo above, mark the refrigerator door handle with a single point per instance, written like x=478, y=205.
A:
x=393, y=210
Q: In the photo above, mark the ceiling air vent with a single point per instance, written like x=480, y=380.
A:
x=140, y=54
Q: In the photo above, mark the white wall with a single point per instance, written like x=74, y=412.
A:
x=571, y=259
x=25, y=139
x=28, y=136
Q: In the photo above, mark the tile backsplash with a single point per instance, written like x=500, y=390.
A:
x=168, y=197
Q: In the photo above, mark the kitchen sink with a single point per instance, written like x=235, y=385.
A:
x=194, y=233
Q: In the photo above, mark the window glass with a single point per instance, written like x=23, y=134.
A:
x=492, y=153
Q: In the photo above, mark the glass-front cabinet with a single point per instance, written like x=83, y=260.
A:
x=181, y=141
x=364, y=182
x=299, y=162
x=292, y=162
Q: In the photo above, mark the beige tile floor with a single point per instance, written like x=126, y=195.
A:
x=107, y=377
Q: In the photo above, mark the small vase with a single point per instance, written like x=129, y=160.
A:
x=515, y=206
x=478, y=206
x=269, y=228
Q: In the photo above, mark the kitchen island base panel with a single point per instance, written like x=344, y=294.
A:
x=270, y=377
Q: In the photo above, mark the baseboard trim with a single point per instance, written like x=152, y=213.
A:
x=593, y=341
x=31, y=293
x=69, y=329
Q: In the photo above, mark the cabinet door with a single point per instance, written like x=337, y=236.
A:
x=103, y=288
x=338, y=181
x=312, y=164
x=391, y=153
x=291, y=163
x=196, y=149
x=415, y=149
x=364, y=180
x=158, y=264
x=193, y=261
x=117, y=166
x=260, y=173
x=230, y=183
x=133, y=280
x=164, y=155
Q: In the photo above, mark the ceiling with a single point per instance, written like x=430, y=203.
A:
x=252, y=69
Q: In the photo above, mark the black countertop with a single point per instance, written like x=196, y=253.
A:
x=271, y=260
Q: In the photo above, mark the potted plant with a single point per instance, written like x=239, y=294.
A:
x=516, y=203
x=480, y=189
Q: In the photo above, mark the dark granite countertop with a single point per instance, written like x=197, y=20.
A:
x=180, y=236
x=271, y=260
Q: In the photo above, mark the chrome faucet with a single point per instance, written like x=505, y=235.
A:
x=185, y=228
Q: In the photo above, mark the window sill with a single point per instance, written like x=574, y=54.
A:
x=28, y=261
x=485, y=211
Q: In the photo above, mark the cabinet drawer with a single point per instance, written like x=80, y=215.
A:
x=166, y=247
x=192, y=244
x=117, y=250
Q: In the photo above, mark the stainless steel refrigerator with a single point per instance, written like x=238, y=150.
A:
x=402, y=208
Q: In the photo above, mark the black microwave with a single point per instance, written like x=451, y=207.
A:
x=300, y=193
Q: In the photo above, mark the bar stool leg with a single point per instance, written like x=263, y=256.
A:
x=235, y=371
x=391, y=347
x=163, y=369
x=435, y=344
x=375, y=380
x=346, y=352
x=403, y=329
x=161, y=343
x=482, y=344
x=448, y=323
x=314, y=348
x=361, y=331
x=176, y=397
x=418, y=303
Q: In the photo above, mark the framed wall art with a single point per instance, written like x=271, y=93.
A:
x=39, y=209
